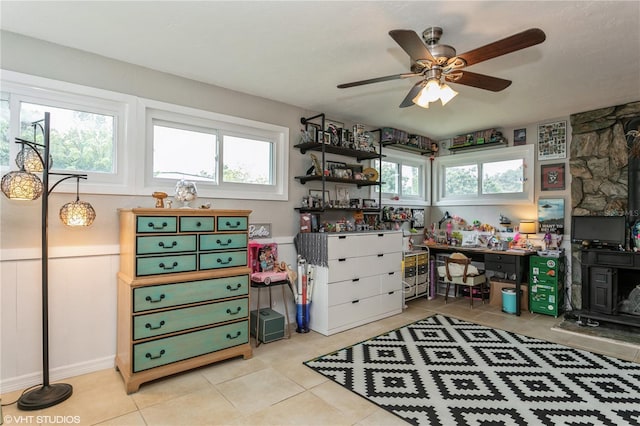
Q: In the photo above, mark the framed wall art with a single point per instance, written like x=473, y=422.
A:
x=418, y=218
x=552, y=140
x=519, y=137
x=552, y=177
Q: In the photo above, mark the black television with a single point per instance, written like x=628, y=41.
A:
x=599, y=231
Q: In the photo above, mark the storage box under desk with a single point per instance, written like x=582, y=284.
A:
x=270, y=325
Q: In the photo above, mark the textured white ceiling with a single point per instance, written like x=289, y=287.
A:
x=297, y=52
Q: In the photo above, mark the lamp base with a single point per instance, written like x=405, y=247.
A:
x=46, y=396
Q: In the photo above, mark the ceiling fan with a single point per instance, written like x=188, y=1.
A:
x=434, y=61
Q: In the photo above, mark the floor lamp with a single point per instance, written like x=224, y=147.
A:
x=24, y=184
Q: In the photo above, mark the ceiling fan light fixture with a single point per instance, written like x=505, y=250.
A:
x=446, y=94
x=433, y=91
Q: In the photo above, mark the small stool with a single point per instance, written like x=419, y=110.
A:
x=282, y=284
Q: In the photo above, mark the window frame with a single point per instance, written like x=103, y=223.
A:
x=151, y=110
x=404, y=158
x=524, y=152
x=53, y=93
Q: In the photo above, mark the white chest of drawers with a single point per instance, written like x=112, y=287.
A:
x=360, y=283
x=183, y=291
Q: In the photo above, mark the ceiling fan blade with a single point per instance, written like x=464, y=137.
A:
x=408, y=100
x=510, y=44
x=480, y=81
x=412, y=44
x=377, y=80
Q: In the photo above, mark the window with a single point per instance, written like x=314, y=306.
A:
x=226, y=156
x=485, y=177
x=87, y=133
x=404, y=175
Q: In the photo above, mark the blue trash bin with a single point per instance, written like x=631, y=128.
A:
x=509, y=300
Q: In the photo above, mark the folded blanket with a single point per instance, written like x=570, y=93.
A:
x=457, y=270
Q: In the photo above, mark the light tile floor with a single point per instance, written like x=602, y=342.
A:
x=274, y=387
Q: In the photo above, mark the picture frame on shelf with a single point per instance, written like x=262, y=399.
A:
x=417, y=218
x=342, y=195
x=552, y=177
x=355, y=203
x=313, y=130
x=519, y=137
x=552, y=140
x=369, y=203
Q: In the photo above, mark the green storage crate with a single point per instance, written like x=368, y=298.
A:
x=546, y=284
x=270, y=325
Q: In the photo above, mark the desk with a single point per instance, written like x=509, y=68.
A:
x=508, y=261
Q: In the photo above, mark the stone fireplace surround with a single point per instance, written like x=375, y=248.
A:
x=602, y=172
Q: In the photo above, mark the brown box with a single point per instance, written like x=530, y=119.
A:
x=495, y=297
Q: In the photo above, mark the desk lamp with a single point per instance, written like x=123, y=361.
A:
x=527, y=227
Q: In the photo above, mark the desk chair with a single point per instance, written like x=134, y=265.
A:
x=465, y=278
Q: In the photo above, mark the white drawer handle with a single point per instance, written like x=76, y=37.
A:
x=150, y=327
x=148, y=355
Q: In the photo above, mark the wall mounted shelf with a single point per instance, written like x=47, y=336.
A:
x=478, y=146
x=355, y=153
x=358, y=182
x=408, y=148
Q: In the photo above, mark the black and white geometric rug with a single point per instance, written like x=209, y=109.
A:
x=445, y=371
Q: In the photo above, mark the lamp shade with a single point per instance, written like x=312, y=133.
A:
x=29, y=160
x=77, y=213
x=527, y=227
x=21, y=185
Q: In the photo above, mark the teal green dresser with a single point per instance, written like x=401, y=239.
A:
x=183, y=291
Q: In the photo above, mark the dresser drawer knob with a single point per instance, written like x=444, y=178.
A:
x=167, y=268
x=238, y=286
x=153, y=225
x=380, y=254
x=229, y=260
x=234, y=313
x=150, y=327
x=238, y=334
x=199, y=224
x=355, y=301
x=159, y=299
x=148, y=355
x=173, y=244
x=224, y=244
x=355, y=280
x=237, y=225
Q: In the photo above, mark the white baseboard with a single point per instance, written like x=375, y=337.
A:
x=56, y=374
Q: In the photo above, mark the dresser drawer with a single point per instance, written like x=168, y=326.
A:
x=232, y=223
x=223, y=241
x=350, y=245
x=156, y=324
x=354, y=311
x=225, y=259
x=176, y=348
x=168, y=295
x=358, y=267
x=165, y=244
x=165, y=264
x=352, y=290
x=193, y=224
x=156, y=224
x=390, y=281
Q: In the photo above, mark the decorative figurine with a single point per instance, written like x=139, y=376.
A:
x=186, y=192
x=159, y=196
